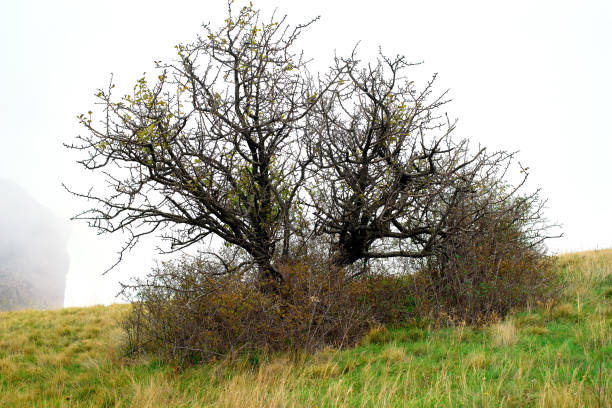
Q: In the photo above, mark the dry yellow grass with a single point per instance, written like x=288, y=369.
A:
x=504, y=334
x=477, y=361
x=565, y=396
x=394, y=354
x=565, y=310
x=584, y=270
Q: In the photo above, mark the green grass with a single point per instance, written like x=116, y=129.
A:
x=553, y=355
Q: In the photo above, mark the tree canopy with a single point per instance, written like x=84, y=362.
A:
x=238, y=139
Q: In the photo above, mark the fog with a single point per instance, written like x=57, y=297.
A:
x=33, y=252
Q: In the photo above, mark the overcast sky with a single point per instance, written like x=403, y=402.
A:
x=533, y=76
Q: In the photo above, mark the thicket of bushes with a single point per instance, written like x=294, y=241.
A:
x=489, y=266
x=190, y=312
x=188, y=315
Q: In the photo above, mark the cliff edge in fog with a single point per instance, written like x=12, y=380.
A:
x=33, y=252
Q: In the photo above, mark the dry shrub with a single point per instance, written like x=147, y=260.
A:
x=390, y=299
x=192, y=310
x=188, y=313
x=492, y=263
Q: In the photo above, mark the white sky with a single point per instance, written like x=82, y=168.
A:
x=528, y=75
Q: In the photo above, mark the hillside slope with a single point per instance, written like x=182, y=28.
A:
x=555, y=355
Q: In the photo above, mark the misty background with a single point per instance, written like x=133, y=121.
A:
x=33, y=252
x=531, y=76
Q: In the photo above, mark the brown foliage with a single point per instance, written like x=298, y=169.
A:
x=189, y=315
x=488, y=267
x=190, y=311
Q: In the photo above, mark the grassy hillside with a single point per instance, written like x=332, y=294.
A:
x=554, y=355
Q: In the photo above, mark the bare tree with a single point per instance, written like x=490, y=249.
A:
x=213, y=147
x=389, y=176
x=236, y=139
